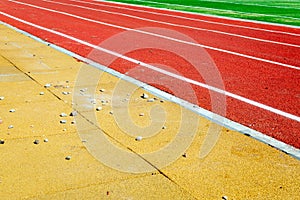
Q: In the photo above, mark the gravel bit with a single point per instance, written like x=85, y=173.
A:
x=42, y=93
x=73, y=122
x=99, y=108
x=224, y=197
x=73, y=113
x=47, y=85
x=63, y=115
x=164, y=127
x=145, y=96
x=162, y=101
x=46, y=140
x=150, y=100
x=36, y=142
x=2, y=98
x=63, y=121
x=66, y=93
x=111, y=112
x=12, y=110
x=141, y=114
x=2, y=141
x=138, y=138
x=184, y=155
x=102, y=90
x=10, y=126
x=68, y=158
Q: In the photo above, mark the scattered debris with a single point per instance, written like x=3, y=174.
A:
x=145, y=96
x=99, y=108
x=10, y=126
x=47, y=85
x=36, y=142
x=42, y=93
x=150, y=100
x=12, y=110
x=63, y=115
x=68, y=158
x=138, y=138
x=63, y=121
x=73, y=113
x=2, y=98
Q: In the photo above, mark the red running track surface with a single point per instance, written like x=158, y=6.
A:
x=273, y=81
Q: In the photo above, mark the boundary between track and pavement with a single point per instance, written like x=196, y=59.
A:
x=203, y=14
x=290, y=150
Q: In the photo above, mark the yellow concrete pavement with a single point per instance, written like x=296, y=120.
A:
x=42, y=158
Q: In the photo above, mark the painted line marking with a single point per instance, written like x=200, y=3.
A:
x=294, y=152
x=162, y=36
x=197, y=14
x=234, y=96
x=233, y=11
x=177, y=25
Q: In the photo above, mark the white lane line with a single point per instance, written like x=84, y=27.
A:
x=250, y=4
x=234, y=96
x=162, y=36
x=197, y=14
x=176, y=25
x=231, y=11
x=292, y=151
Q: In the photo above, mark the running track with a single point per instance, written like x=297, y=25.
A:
x=259, y=63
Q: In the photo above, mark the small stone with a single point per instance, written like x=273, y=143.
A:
x=99, y=108
x=155, y=98
x=145, y=96
x=63, y=115
x=12, y=110
x=102, y=90
x=224, y=197
x=141, y=114
x=138, y=138
x=162, y=101
x=164, y=127
x=150, y=100
x=36, y=142
x=42, y=93
x=10, y=126
x=46, y=140
x=2, y=141
x=47, y=85
x=184, y=155
x=66, y=93
x=2, y=98
x=111, y=112
x=64, y=129
x=73, y=122
x=73, y=113
x=68, y=158
x=63, y=121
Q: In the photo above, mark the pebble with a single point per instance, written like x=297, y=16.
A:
x=138, y=138
x=1, y=98
x=68, y=158
x=184, y=155
x=99, y=108
x=47, y=85
x=2, y=141
x=164, y=127
x=73, y=122
x=46, y=140
x=63, y=115
x=36, y=142
x=10, y=126
x=224, y=197
x=150, y=100
x=111, y=112
x=102, y=90
x=12, y=110
x=66, y=93
x=145, y=96
x=141, y=114
x=42, y=93
x=73, y=113
x=63, y=121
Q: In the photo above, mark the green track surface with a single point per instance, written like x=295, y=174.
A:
x=282, y=12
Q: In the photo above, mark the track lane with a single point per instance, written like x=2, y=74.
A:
x=66, y=28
